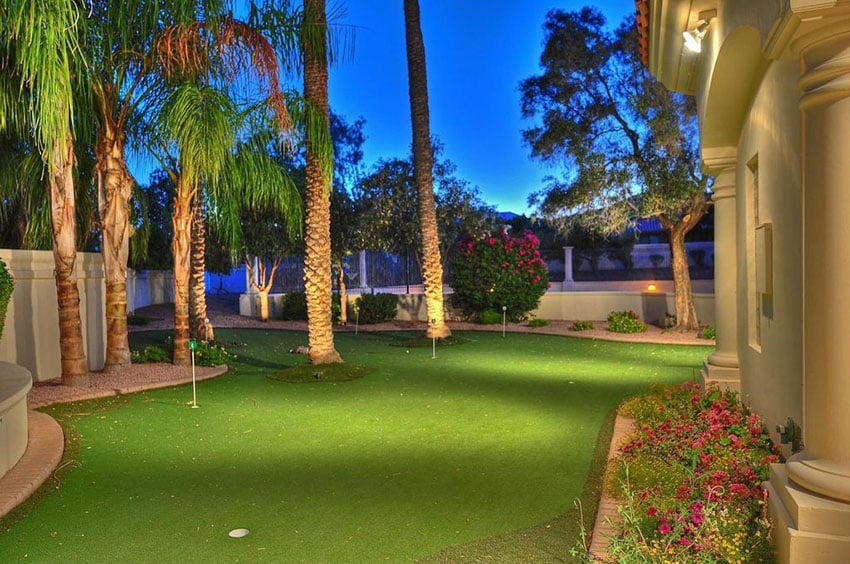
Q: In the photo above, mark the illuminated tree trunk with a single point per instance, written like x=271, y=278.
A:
x=423, y=164
x=181, y=220
x=64, y=223
x=262, y=283
x=115, y=188
x=317, y=258
x=686, y=313
x=199, y=326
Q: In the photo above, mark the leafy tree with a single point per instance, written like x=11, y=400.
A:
x=628, y=146
x=423, y=164
x=152, y=223
x=348, y=142
x=387, y=205
x=266, y=236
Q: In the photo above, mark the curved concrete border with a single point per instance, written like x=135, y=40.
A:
x=47, y=442
x=44, y=451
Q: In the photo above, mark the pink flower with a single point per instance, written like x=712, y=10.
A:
x=652, y=511
x=664, y=528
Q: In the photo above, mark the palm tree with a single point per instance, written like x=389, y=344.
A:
x=423, y=165
x=123, y=50
x=317, y=257
x=198, y=119
x=41, y=51
x=199, y=324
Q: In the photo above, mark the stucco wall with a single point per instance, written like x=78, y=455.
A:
x=772, y=370
x=31, y=334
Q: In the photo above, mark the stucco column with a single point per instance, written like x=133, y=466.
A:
x=809, y=496
x=824, y=465
x=722, y=366
x=364, y=281
x=568, y=264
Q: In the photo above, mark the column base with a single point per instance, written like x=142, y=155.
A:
x=806, y=527
x=727, y=377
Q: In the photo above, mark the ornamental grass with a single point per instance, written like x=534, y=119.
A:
x=688, y=480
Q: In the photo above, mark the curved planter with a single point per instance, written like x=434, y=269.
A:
x=15, y=382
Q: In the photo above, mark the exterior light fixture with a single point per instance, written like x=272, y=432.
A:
x=693, y=37
x=651, y=288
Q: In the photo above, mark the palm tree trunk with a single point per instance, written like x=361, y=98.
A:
x=181, y=219
x=317, y=257
x=199, y=326
x=63, y=216
x=115, y=187
x=423, y=165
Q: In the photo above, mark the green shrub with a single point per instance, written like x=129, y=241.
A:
x=538, y=322
x=496, y=271
x=707, y=333
x=489, y=317
x=376, y=308
x=208, y=353
x=6, y=287
x=151, y=353
x=581, y=325
x=212, y=353
x=625, y=322
x=293, y=306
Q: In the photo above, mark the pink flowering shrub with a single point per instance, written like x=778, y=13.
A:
x=496, y=271
x=690, y=479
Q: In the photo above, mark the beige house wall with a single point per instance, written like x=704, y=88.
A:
x=770, y=326
x=31, y=334
x=773, y=88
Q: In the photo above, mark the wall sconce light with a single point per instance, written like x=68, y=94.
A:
x=693, y=37
x=651, y=288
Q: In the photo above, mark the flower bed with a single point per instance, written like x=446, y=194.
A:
x=688, y=480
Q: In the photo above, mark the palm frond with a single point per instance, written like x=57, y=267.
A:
x=198, y=120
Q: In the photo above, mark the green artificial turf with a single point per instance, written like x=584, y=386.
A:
x=476, y=454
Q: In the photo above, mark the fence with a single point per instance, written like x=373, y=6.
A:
x=31, y=337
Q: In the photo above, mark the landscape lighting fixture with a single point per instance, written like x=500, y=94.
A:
x=693, y=37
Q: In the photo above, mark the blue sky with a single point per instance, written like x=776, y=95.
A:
x=477, y=52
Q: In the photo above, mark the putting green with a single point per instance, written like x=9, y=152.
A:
x=491, y=436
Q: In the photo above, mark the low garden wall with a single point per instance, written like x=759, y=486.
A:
x=554, y=305
x=31, y=334
x=15, y=382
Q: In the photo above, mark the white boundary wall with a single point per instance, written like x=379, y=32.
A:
x=31, y=332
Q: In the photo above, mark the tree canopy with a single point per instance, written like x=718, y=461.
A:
x=627, y=146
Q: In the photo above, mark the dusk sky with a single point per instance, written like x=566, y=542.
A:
x=477, y=52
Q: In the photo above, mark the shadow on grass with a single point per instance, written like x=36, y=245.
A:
x=310, y=373
x=546, y=542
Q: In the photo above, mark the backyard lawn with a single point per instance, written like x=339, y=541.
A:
x=477, y=450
